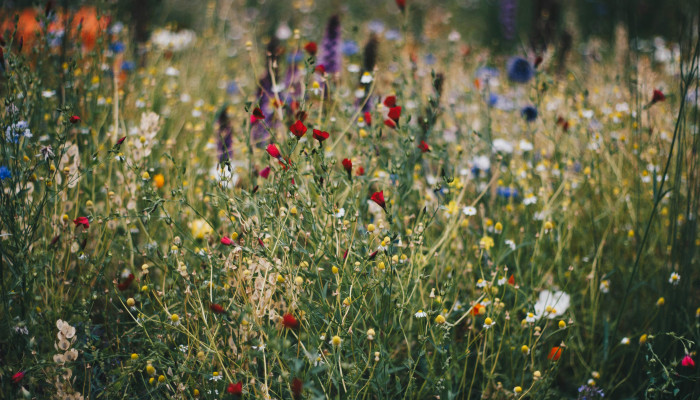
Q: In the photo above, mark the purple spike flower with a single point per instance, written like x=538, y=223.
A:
x=259, y=133
x=507, y=13
x=330, y=54
x=224, y=136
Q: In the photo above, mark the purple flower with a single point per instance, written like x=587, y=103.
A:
x=529, y=113
x=520, y=70
x=330, y=55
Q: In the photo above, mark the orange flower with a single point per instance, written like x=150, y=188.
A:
x=554, y=353
x=159, y=180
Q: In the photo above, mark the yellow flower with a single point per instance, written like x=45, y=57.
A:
x=175, y=318
x=562, y=324
x=130, y=302
x=440, y=319
x=159, y=180
x=150, y=370
x=200, y=228
x=486, y=243
x=524, y=349
x=134, y=356
x=335, y=341
x=660, y=301
x=161, y=378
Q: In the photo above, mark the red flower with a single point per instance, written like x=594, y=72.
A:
x=390, y=123
x=687, y=361
x=120, y=141
x=216, y=308
x=298, y=129
x=273, y=150
x=378, y=197
x=265, y=172
x=74, y=119
x=511, y=280
x=320, y=69
x=257, y=115
x=657, y=96
x=424, y=147
x=476, y=310
x=82, y=221
x=554, y=353
x=320, y=135
x=390, y=101
x=345, y=254
x=125, y=284
x=347, y=164
x=261, y=243
x=289, y=321
x=395, y=113
x=311, y=48
x=234, y=388
x=297, y=387
x=538, y=61
x=373, y=255
x=16, y=378
x=368, y=118
x=401, y=4
x=360, y=171
x=226, y=241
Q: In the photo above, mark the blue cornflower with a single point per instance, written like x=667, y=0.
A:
x=5, y=173
x=430, y=59
x=350, y=48
x=520, y=70
x=493, y=99
x=529, y=113
x=507, y=192
x=295, y=57
x=392, y=34
x=14, y=131
x=128, y=66
x=117, y=47
x=231, y=88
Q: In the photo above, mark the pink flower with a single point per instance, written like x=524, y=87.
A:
x=82, y=221
x=226, y=241
x=273, y=150
x=688, y=361
x=16, y=378
x=265, y=172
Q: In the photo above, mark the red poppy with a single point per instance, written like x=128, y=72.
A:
x=554, y=353
x=289, y=321
x=657, y=96
x=378, y=197
x=265, y=172
x=74, y=119
x=82, y=221
x=320, y=69
x=235, y=388
x=298, y=129
x=347, y=164
x=226, y=241
x=273, y=150
x=390, y=101
x=395, y=113
x=17, y=378
x=311, y=48
x=360, y=171
x=424, y=147
x=320, y=135
x=511, y=280
x=120, y=141
x=687, y=361
x=390, y=123
x=401, y=4
x=373, y=255
x=368, y=118
x=216, y=308
x=126, y=283
x=257, y=115
x=297, y=388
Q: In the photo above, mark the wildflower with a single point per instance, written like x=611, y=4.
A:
x=401, y=4
x=625, y=341
x=424, y=148
x=529, y=113
x=14, y=131
x=657, y=96
x=297, y=387
x=530, y=318
x=273, y=151
x=370, y=334
x=643, y=338
x=687, y=361
x=590, y=392
x=520, y=70
x=488, y=323
x=126, y=282
x=660, y=302
x=235, y=388
x=420, y=314
x=378, y=197
x=331, y=52
x=320, y=135
x=215, y=376
x=216, y=308
x=336, y=340
x=347, y=164
x=674, y=279
x=82, y=221
x=395, y=113
x=17, y=378
x=257, y=115
x=517, y=390
x=440, y=319
x=74, y=119
x=289, y=321
x=150, y=370
x=486, y=243
x=311, y=48
x=226, y=241
x=366, y=78
x=562, y=324
x=469, y=211
x=554, y=353
x=298, y=129
x=130, y=302
x=524, y=349
x=5, y=173
x=200, y=229
x=551, y=304
x=605, y=286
